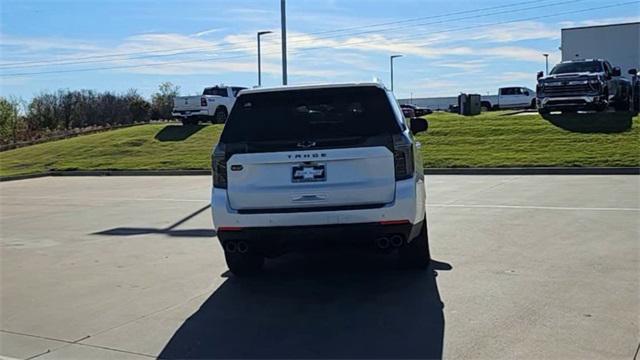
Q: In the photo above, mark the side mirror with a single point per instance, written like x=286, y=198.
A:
x=418, y=125
x=526, y=93
x=616, y=71
x=540, y=74
x=633, y=71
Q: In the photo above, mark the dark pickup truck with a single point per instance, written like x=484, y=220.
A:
x=583, y=85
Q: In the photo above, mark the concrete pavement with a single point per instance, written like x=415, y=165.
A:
x=128, y=267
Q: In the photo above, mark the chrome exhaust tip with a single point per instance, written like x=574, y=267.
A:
x=230, y=246
x=382, y=243
x=396, y=240
x=242, y=247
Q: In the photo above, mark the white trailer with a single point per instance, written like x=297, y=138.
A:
x=618, y=43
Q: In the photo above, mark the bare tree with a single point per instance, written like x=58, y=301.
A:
x=162, y=101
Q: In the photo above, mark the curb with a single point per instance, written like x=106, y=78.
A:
x=427, y=171
x=535, y=171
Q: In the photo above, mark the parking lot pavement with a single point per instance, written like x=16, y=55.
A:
x=128, y=267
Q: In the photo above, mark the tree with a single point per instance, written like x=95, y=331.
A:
x=10, y=119
x=139, y=108
x=162, y=101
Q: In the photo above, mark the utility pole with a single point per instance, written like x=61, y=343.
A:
x=260, y=33
x=283, y=24
x=546, y=60
x=391, y=65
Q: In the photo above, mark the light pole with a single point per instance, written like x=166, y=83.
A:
x=546, y=60
x=260, y=33
x=283, y=25
x=391, y=64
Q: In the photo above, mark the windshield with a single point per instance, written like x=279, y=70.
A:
x=313, y=114
x=215, y=91
x=576, y=67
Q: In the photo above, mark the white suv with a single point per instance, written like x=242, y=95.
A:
x=300, y=166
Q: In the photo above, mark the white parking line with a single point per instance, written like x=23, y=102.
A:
x=101, y=199
x=531, y=207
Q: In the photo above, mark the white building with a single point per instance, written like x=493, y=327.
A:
x=618, y=43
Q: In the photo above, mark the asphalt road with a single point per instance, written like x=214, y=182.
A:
x=526, y=267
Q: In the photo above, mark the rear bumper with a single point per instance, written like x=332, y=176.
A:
x=190, y=113
x=408, y=204
x=276, y=240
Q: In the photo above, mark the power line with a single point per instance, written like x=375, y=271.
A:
x=174, y=52
x=335, y=46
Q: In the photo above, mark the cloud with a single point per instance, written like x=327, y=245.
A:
x=463, y=65
x=206, y=32
x=517, y=53
x=518, y=31
x=604, y=21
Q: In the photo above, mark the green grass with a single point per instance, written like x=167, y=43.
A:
x=487, y=140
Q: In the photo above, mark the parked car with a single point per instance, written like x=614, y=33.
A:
x=515, y=97
x=583, y=85
x=417, y=110
x=297, y=166
x=213, y=105
x=408, y=112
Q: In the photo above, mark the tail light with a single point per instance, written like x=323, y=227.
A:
x=402, y=157
x=219, y=167
x=203, y=101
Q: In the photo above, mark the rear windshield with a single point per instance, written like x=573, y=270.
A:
x=215, y=91
x=574, y=67
x=315, y=114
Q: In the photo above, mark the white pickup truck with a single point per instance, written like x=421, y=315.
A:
x=213, y=105
x=515, y=97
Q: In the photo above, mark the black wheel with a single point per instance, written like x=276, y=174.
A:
x=246, y=264
x=533, y=104
x=220, y=117
x=621, y=105
x=416, y=255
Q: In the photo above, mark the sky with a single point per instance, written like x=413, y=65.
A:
x=448, y=47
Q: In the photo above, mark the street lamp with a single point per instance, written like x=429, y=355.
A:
x=391, y=64
x=260, y=33
x=283, y=33
x=546, y=60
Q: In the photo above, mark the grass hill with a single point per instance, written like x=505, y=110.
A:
x=488, y=140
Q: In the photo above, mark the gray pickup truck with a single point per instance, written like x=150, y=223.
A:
x=583, y=85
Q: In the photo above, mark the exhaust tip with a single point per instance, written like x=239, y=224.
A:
x=242, y=247
x=396, y=240
x=382, y=243
x=230, y=246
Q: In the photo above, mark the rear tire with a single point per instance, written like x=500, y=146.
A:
x=246, y=264
x=621, y=105
x=416, y=254
x=220, y=116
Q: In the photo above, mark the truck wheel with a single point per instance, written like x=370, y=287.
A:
x=416, y=255
x=246, y=264
x=621, y=105
x=220, y=117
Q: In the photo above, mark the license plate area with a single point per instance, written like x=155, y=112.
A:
x=308, y=173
